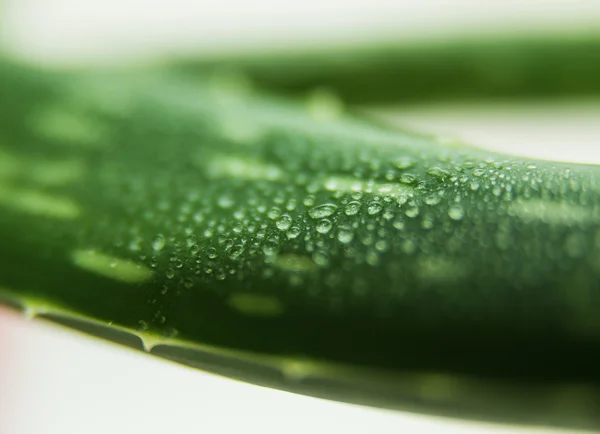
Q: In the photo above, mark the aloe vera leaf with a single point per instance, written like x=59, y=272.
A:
x=529, y=66
x=297, y=248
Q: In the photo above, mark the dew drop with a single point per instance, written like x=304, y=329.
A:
x=293, y=232
x=352, y=208
x=409, y=247
x=427, y=222
x=236, y=251
x=211, y=252
x=270, y=247
x=434, y=199
x=345, y=236
x=399, y=225
x=381, y=245
x=159, y=243
x=169, y=273
x=291, y=205
x=322, y=211
x=226, y=201
x=324, y=226
x=388, y=214
x=136, y=244
x=226, y=242
x=284, y=222
x=407, y=178
x=372, y=258
x=412, y=212
x=274, y=213
x=439, y=173
x=309, y=200
x=404, y=163
x=374, y=208
x=456, y=212
x=191, y=237
x=320, y=258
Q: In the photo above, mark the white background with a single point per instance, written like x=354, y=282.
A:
x=55, y=381
x=108, y=29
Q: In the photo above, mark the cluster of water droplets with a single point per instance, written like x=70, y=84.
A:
x=230, y=233
x=308, y=212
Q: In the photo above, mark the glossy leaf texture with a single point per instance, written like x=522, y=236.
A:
x=290, y=245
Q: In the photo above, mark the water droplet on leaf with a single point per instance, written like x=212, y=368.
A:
x=322, y=211
x=352, y=208
x=374, y=208
x=324, y=226
x=284, y=222
x=456, y=212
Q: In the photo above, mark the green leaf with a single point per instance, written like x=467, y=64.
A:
x=420, y=71
x=293, y=246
